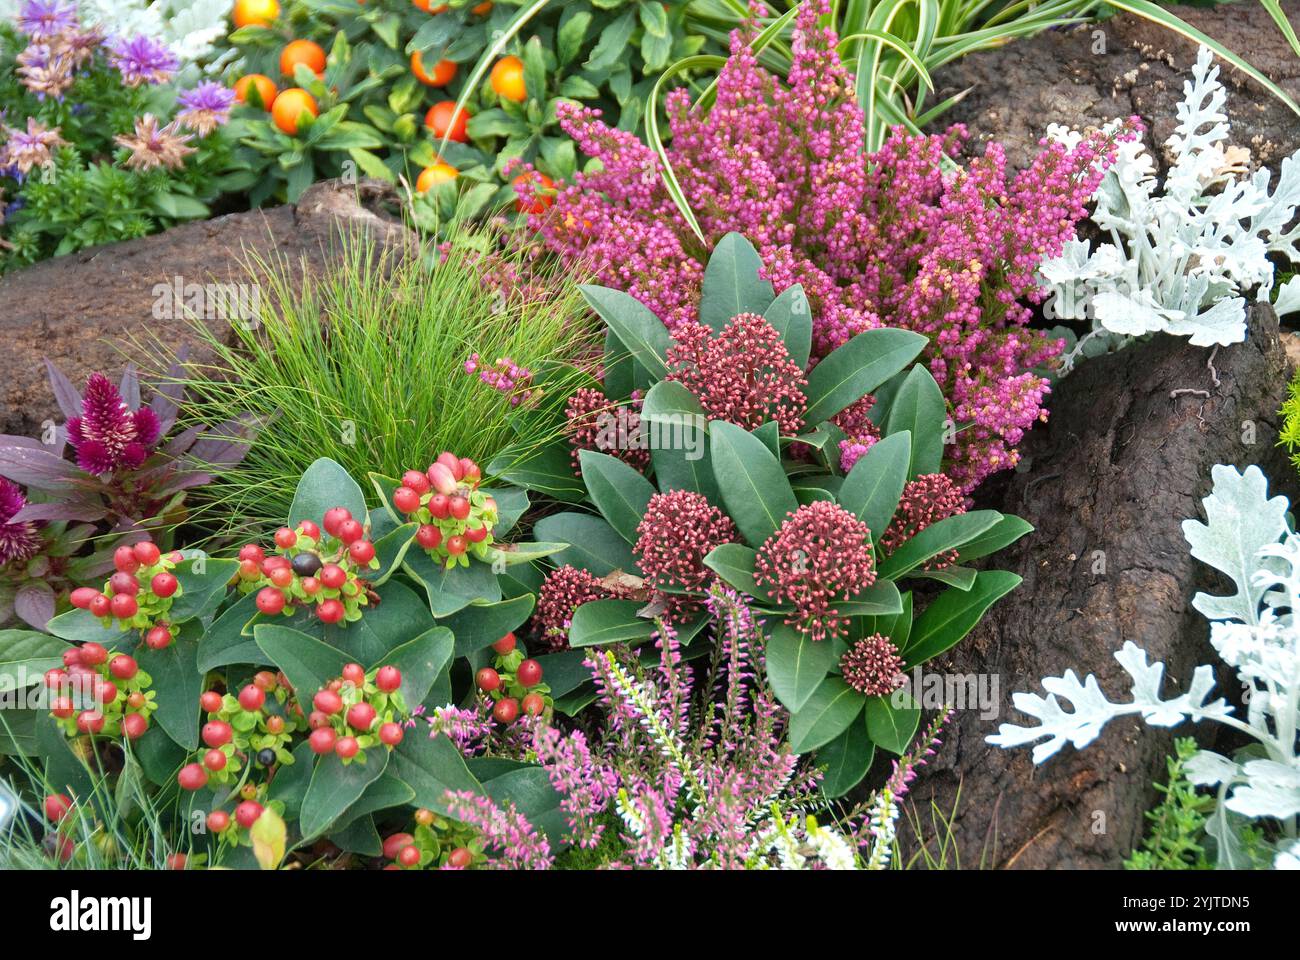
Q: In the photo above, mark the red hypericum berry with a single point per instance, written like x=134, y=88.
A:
x=311, y=586
x=63, y=707
x=460, y=858
x=251, y=551
x=440, y=506
x=218, y=820
x=56, y=679
x=322, y=740
x=270, y=600
x=176, y=861
x=192, y=777
x=100, y=605
x=459, y=508
x=347, y=747
x=285, y=538
x=330, y=611
x=388, y=679
x=308, y=529
x=134, y=726
x=82, y=596
x=123, y=667
x=246, y=813
x=72, y=657
x=533, y=704
x=361, y=716
x=277, y=562
x=275, y=725
x=355, y=674
x=409, y=856
x=406, y=500
x=57, y=806
x=395, y=844
x=442, y=479
x=477, y=534
x=505, y=644
x=428, y=536
x=158, y=638
x=317, y=719
x=327, y=701
x=415, y=480
x=350, y=531
x=264, y=680
x=390, y=734
x=362, y=552
x=424, y=816
x=333, y=576
x=249, y=570
x=251, y=698
x=210, y=701
x=125, y=561
x=135, y=700
x=214, y=760
x=529, y=673
x=123, y=606
x=146, y=552
x=106, y=692
x=93, y=654
x=334, y=518
x=216, y=733
x=163, y=584
x=124, y=583
x=335, y=685
x=487, y=679
x=457, y=545
x=281, y=577
x=452, y=463
x=506, y=710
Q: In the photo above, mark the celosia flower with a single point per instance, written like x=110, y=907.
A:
x=561, y=593
x=19, y=542
x=743, y=375
x=153, y=146
x=109, y=436
x=596, y=423
x=206, y=107
x=44, y=19
x=872, y=666
x=820, y=556
x=678, y=530
x=24, y=150
x=928, y=499
x=142, y=59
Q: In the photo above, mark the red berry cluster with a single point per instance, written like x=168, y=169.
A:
x=310, y=570
x=139, y=593
x=97, y=692
x=257, y=725
x=234, y=829
x=356, y=712
x=437, y=842
x=455, y=516
x=515, y=683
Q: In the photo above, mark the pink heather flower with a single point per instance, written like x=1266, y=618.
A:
x=27, y=149
x=507, y=834
x=468, y=729
x=109, y=436
x=142, y=60
x=563, y=591
x=678, y=530
x=586, y=786
x=743, y=374
x=860, y=433
x=206, y=107
x=504, y=376
x=19, y=542
x=928, y=499
x=820, y=556
x=883, y=239
x=873, y=667
x=153, y=146
x=597, y=423
x=44, y=19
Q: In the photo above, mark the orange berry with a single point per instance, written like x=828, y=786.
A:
x=433, y=175
x=442, y=72
x=290, y=106
x=264, y=85
x=426, y=6
x=483, y=9
x=507, y=79
x=308, y=53
x=439, y=119
x=259, y=13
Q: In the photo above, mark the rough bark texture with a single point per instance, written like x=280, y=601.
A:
x=1060, y=77
x=94, y=310
x=1111, y=477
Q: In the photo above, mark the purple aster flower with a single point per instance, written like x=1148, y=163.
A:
x=142, y=60
x=46, y=69
x=44, y=19
x=205, y=108
x=24, y=150
x=18, y=541
x=108, y=435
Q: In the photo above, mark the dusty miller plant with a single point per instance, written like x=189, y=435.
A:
x=1248, y=537
x=1183, y=256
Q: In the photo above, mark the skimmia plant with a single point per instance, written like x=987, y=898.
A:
x=1247, y=536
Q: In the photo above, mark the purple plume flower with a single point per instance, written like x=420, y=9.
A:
x=18, y=541
x=142, y=60
x=109, y=436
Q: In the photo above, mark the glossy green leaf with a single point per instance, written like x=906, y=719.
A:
x=732, y=284
x=751, y=481
x=796, y=665
x=855, y=369
x=954, y=613
x=620, y=493
x=826, y=714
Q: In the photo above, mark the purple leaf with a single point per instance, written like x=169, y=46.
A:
x=36, y=467
x=167, y=396
x=130, y=386
x=63, y=510
x=227, y=444
x=66, y=395
x=182, y=441
x=12, y=440
x=184, y=481
x=35, y=603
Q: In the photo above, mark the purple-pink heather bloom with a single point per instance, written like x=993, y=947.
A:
x=506, y=834
x=820, y=556
x=19, y=542
x=42, y=20
x=883, y=239
x=677, y=532
x=872, y=666
x=586, y=786
x=142, y=60
x=929, y=498
x=743, y=374
x=109, y=436
x=206, y=107
x=504, y=376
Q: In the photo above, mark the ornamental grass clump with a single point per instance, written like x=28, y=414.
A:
x=881, y=239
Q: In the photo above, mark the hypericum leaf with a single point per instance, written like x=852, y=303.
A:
x=325, y=485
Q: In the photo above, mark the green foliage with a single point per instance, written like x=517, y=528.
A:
x=1289, y=435
x=1177, y=832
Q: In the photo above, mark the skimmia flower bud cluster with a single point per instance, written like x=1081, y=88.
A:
x=356, y=712
x=456, y=516
x=563, y=591
x=309, y=570
x=256, y=727
x=927, y=499
x=597, y=423
x=138, y=595
x=513, y=683
x=99, y=692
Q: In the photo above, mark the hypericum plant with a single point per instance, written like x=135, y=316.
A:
x=1183, y=256
x=1248, y=537
x=874, y=239
x=99, y=691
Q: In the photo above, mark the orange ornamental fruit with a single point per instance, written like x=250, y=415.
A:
x=291, y=105
x=541, y=200
x=433, y=175
x=442, y=72
x=507, y=79
x=264, y=85
x=483, y=9
x=310, y=55
x=260, y=13
x=427, y=6
x=439, y=119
